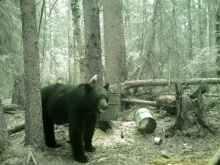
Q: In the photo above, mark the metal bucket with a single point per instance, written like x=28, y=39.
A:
x=113, y=108
x=145, y=120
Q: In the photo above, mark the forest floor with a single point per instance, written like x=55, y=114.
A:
x=134, y=148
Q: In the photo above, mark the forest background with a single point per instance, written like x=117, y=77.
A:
x=119, y=40
x=167, y=39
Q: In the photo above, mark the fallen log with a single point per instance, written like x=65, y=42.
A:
x=165, y=82
x=11, y=107
x=167, y=103
x=16, y=128
x=138, y=101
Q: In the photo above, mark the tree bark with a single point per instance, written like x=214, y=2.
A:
x=78, y=53
x=33, y=113
x=92, y=39
x=114, y=44
x=217, y=39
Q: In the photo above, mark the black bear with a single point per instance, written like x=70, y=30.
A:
x=78, y=106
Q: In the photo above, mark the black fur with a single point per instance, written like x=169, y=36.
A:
x=78, y=106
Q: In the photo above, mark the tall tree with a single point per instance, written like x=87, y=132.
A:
x=210, y=22
x=92, y=39
x=176, y=64
x=114, y=44
x=77, y=41
x=190, y=30
x=217, y=38
x=33, y=113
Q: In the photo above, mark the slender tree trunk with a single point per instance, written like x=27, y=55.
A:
x=190, y=30
x=200, y=15
x=217, y=38
x=33, y=113
x=210, y=22
x=92, y=39
x=3, y=130
x=176, y=64
x=70, y=51
x=79, y=55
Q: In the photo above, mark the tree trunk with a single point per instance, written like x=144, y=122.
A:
x=3, y=130
x=114, y=44
x=190, y=33
x=217, y=38
x=92, y=40
x=33, y=113
x=18, y=90
x=77, y=42
x=210, y=23
x=177, y=71
x=200, y=18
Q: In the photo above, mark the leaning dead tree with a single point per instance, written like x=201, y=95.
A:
x=189, y=104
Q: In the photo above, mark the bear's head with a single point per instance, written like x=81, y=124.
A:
x=97, y=97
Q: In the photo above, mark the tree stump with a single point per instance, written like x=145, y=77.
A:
x=184, y=105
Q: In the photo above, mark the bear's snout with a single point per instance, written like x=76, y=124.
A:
x=103, y=105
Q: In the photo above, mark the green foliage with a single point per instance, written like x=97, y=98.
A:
x=203, y=64
x=10, y=43
x=163, y=24
x=53, y=41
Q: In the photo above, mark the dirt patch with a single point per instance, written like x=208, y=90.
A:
x=123, y=145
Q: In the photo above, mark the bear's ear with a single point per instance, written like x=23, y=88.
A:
x=106, y=86
x=93, y=81
x=88, y=87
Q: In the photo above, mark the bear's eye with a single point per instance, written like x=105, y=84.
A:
x=104, y=97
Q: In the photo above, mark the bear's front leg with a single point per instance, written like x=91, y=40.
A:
x=49, y=134
x=89, y=132
x=76, y=135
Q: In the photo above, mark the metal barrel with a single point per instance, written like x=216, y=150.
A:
x=145, y=121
